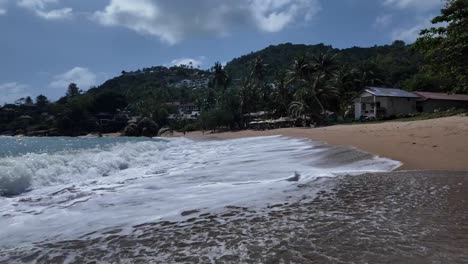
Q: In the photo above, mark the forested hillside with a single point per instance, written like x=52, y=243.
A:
x=394, y=65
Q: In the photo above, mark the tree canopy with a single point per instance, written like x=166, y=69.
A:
x=445, y=45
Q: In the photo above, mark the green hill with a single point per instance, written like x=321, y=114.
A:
x=393, y=64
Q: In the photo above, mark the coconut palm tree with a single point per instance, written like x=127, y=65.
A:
x=344, y=82
x=366, y=75
x=301, y=68
x=297, y=109
x=247, y=95
x=282, y=95
x=326, y=64
x=258, y=71
x=258, y=74
x=315, y=86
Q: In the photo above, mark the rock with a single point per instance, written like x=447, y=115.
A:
x=148, y=128
x=185, y=213
x=131, y=131
x=145, y=127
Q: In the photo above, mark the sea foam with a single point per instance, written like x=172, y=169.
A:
x=68, y=192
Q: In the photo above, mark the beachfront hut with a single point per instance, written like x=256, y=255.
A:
x=375, y=102
x=431, y=102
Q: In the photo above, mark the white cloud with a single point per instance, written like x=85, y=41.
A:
x=83, y=77
x=417, y=4
x=383, y=21
x=12, y=91
x=274, y=15
x=171, y=21
x=3, y=4
x=189, y=61
x=55, y=14
x=40, y=8
x=410, y=34
x=36, y=4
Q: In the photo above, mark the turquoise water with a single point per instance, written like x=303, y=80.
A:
x=17, y=146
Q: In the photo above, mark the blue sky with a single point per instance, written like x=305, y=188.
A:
x=46, y=44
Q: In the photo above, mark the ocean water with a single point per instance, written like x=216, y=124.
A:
x=54, y=189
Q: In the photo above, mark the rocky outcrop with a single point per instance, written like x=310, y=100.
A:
x=148, y=128
x=131, y=130
x=144, y=128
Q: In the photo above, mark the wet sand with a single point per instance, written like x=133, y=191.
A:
x=398, y=217
x=436, y=144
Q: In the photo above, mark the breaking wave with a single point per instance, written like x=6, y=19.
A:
x=32, y=171
x=65, y=188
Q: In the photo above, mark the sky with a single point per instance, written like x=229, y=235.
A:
x=47, y=44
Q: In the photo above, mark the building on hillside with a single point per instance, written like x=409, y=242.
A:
x=187, y=111
x=374, y=102
x=431, y=102
x=198, y=83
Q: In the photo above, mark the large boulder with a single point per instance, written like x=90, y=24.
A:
x=131, y=131
x=145, y=127
x=148, y=128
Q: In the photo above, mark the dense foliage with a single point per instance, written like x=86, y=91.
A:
x=445, y=46
x=392, y=64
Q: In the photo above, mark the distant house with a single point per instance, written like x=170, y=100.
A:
x=431, y=102
x=376, y=102
x=187, y=111
x=104, y=118
x=193, y=83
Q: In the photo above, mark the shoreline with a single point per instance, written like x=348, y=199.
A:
x=434, y=144
x=375, y=217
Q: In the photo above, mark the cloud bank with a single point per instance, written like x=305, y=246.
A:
x=410, y=34
x=12, y=91
x=415, y=4
x=41, y=9
x=383, y=21
x=83, y=77
x=172, y=21
x=198, y=62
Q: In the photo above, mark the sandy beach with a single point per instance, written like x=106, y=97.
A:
x=435, y=144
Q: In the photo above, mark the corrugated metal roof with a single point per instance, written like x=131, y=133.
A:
x=441, y=96
x=389, y=92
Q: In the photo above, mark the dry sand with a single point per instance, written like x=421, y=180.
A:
x=435, y=144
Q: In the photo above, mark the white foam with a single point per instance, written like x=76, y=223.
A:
x=78, y=192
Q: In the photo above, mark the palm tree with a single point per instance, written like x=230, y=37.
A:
x=282, y=95
x=220, y=76
x=247, y=98
x=258, y=74
x=297, y=109
x=301, y=68
x=314, y=80
x=366, y=75
x=325, y=63
x=322, y=90
x=258, y=71
x=345, y=84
